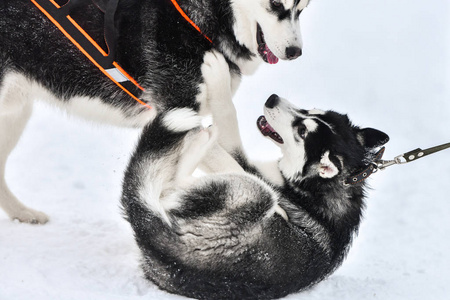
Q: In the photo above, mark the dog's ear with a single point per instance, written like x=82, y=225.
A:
x=372, y=138
x=327, y=169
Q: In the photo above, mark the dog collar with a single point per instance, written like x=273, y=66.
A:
x=60, y=17
x=185, y=16
x=363, y=174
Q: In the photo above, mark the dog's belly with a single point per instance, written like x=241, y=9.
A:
x=94, y=109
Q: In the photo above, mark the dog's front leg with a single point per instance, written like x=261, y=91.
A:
x=220, y=87
x=229, y=152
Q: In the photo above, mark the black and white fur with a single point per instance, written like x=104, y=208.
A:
x=155, y=45
x=255, y=233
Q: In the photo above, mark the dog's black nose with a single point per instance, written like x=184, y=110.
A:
x=272, y=101
x=293, y=52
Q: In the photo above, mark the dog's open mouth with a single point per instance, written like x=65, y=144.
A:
x=263, y=50
x=267, y=130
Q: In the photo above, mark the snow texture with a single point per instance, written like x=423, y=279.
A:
x=385, y=63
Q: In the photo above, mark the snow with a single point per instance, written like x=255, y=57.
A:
x=385, y=63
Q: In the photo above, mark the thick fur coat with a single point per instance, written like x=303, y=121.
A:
x=259, y=232
x=155, y=45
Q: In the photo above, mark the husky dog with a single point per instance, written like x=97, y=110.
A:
x=257, y=232
x=155, y=45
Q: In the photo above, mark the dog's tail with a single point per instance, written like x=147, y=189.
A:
x=151, y=173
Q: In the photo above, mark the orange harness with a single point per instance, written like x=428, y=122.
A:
x=180, y=10
x=59, y=16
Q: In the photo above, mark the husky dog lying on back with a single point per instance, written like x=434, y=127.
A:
x=156, y=45
x=256, y=233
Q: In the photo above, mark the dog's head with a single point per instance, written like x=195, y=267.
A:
x=316, y=142
x=269, y=28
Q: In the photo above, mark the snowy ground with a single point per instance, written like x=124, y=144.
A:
x=385, y=63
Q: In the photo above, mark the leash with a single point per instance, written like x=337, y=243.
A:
x=378, y=164
x=104, y=61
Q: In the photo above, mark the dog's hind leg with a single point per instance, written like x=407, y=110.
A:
x=15, y=111
x=194, y=152
x=169, y=150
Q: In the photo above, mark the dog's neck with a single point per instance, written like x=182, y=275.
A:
x=335, y=206
x=215, y=21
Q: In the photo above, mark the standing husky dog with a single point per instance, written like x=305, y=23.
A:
x=256, y=233
x=155, y=45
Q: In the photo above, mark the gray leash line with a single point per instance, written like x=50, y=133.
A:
x=379, y=164
x=410, y=156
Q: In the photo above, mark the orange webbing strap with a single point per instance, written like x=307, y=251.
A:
x=185, y=16
x=81, y=39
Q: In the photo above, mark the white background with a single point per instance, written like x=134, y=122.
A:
x=385, y=63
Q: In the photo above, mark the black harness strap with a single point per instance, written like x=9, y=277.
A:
x=105, y=61
x=109, y=8
x=110, y=28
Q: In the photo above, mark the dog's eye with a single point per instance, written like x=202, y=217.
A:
x=275, y=3
x=302, y=131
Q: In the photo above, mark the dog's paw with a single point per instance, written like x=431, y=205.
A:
x=213, y=63
x=205, y=138
x=213, y=133
x=216, y=74
x=217, y=79
x=31, y=216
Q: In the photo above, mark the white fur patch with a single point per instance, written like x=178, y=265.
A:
x=316, y=111
x=207, y=121
x=182, y=119
x=281, y=212
x=271, y=171
x=15, y=110
x=310, y=124
x=12, y=95
x=194, y=150
x=153, y=184
x=302, y=4
x=244, y=29
x=292, y=162
x=326, y=168
x=91, y=109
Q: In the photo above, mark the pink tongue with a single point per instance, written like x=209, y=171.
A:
x=271, y=58
x=264, y=126
x=268, y=128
